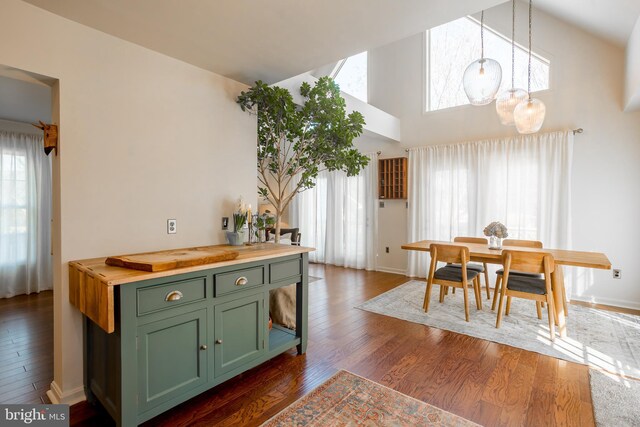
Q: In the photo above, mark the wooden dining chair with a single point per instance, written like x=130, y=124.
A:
x=479, y=267
x=528, y=287
x=523, y=244
x=455, y=277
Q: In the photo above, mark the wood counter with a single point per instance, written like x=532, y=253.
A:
x=91, y=281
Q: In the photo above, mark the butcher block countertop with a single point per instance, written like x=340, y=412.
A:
x=114, y=276
x=91, y=281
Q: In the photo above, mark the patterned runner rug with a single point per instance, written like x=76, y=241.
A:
x=349, y=400
x=602, y=340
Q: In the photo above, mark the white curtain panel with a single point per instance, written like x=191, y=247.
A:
x=523, y=182
x=25, y=215
x=339, y=218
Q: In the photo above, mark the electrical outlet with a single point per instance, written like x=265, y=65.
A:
x=225, y=222
x=617, y=273
x=381, y=204
x=172, y=226
x=386, y=249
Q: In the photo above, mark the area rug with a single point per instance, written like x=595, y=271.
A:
x=616, y=400
x=349, y=400
x=605, y=341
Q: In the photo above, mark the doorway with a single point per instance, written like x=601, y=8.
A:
x=26, y=261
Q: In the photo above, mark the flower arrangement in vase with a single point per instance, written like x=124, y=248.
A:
x=236, y=237
x=496, y=231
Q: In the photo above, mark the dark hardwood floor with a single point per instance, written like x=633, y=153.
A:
x=488, y=383
x=26, y=348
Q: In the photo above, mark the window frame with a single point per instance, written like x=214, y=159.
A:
x=426, y=71
x=338, y=67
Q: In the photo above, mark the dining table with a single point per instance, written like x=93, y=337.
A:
x=480, y=252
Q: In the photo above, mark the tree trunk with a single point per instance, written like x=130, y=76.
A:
x=278, y=216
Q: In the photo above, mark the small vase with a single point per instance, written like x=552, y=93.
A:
x=235, y=238
x=495, y=243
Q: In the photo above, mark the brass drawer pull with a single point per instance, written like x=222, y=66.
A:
x=203, y=347
x=241, y=281
x=173, y=296
x=218, y=341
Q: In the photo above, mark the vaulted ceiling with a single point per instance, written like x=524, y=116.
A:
x=272, y=40
x=248, y=40
x=612, y=20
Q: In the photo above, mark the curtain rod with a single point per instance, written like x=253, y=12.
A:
x=16, y=121
x=575, y=131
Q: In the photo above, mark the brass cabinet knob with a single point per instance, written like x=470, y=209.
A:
x=173, y=296
x=241, y=281
x=203, y=347
x=218, y=341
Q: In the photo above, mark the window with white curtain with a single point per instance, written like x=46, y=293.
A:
x=523, y=182
x=25, y=215
x=339, y=218
x=13, y=205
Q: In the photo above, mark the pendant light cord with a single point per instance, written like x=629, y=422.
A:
x=513, y=43
x=482, y=35
x=529, y=68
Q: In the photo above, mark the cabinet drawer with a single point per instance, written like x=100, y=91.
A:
x=234, y=281
x=284, y=270
x=162, y=297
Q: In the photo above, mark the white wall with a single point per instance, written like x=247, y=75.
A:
x=587, y=86
x=632, y=74
x=23, y=101
x=392, y=224
x=143, y=138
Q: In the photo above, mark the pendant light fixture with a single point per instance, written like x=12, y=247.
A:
x=529, y=114
x=508, y=99
x=482, y=78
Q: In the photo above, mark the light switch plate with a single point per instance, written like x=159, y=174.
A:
x=172, y=226
x=225, y=222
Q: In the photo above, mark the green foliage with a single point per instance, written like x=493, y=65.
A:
x=295, y=142
x=264, y=221
x=239, y=220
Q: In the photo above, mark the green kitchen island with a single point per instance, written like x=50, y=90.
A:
x=156, y=339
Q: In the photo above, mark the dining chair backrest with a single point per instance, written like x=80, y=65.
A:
x=470, y=240
x=522, y=243
x=452, y=254
x=528, y=262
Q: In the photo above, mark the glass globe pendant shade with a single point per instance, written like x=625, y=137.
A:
x=481, y=81
x=529, y=115
x=506, y=102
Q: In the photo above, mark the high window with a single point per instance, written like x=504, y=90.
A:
x=453, y=46
x=351, y=75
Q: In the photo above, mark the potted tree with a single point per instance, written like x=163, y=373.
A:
x=296, y=143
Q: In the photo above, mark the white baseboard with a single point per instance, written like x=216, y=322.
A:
x=607, y=301
x=71, y=397
x=392, y=270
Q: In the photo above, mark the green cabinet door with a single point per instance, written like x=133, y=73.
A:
x=239, y=333
x=172, y=358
